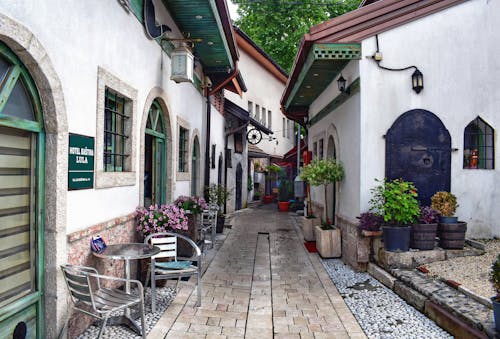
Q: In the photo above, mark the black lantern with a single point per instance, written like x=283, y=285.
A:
x=341, y=82
x=417, y=81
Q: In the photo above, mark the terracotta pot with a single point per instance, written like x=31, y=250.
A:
x=283, y=206
x=268, y=199
x=366, y=233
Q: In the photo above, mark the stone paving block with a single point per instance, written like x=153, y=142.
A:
x=233, y=331
x=258, y=333
x=259, y=321
x=181, y=327
x=227, y=322
x=381, y=275
x=184, y=335
x=411, y=296
x=205, y=329
x=287, y=336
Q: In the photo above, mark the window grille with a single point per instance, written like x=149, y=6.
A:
x=183, y=149
x=269, y=120
x=115, y=132
x=320, y=150
x=479, y=152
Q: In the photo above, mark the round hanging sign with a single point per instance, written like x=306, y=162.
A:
x=254, y=136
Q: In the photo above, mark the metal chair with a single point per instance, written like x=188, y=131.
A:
x=177, y=267
x=84, y=285
x=208, y=227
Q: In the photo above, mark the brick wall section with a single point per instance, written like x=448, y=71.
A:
x=217, y=100
x=118, y=230
x=355, y=247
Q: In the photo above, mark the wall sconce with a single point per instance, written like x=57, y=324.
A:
x=417, y=80
x=182, y=64
x=341, y=83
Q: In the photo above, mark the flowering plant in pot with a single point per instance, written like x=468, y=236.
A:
x=369, y=224
x=160, y=219
x=218, y=194
x=423, y=233
x=397, y=202
x=495, y=280
x=284, y=195
x=192, y=204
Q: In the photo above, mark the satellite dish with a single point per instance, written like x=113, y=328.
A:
x=254, y=136
x=152, y=29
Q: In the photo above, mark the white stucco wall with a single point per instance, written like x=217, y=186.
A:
x=343, y=125
x=455, y=51
x=265, y=90
x=81, y=36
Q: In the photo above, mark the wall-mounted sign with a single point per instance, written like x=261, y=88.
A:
x=80, y=162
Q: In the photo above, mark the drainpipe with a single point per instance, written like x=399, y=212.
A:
x=207, y=142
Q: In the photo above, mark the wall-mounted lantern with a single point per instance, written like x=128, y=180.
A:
x=417, y=80
x=341, y=83
x=182, y=64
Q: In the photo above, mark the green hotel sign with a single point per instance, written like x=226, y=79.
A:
x=80, y=162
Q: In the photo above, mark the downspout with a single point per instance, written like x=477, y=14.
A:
x=207, y=141
x=225, y=154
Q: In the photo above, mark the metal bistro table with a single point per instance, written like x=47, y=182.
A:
x=127, y=252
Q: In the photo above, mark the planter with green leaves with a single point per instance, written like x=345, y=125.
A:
x=397, y=202
x=284, y=195
x=451, y=232
x=324, y=172
x=495, y=280
x=369, y=224
x=218, y=195
x=308, y=225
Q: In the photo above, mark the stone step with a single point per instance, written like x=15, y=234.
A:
x=458, y=313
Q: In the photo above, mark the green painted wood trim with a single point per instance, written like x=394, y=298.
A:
x=337, y=51
x=7, y=120
x=137, y=7
x=154, y=133
x=337, y=102
x=305, y=69
x=221, y=32
x=14, y=74
x=41, y=231
x=14, y=307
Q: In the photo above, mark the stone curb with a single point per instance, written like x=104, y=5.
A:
x=451, y=306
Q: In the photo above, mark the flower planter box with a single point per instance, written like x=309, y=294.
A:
x=328, y=242
x=423, y=236
x=308, y=225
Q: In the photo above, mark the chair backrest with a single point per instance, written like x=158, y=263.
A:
x=167, y=245
x=78, y=282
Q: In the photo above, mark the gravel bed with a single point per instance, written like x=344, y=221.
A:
x=164, y=296
x=380, y=312
x=471, y=272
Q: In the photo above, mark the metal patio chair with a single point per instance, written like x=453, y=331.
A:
x=85, y=287
x=177, y=267
x=208, y=227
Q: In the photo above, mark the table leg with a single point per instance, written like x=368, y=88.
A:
x=126, y=318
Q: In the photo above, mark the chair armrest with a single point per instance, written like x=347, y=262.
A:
x=132, y=281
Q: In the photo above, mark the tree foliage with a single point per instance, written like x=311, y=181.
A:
x=277, y=26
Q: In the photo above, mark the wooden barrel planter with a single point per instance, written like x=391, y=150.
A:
x=452, y=236
x=423, y=236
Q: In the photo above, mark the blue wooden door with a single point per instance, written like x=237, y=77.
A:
x=418, y=149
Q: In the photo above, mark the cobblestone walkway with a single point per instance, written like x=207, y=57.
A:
x=261, y=284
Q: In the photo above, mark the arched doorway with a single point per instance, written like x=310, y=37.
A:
x=418, y=149
x=331, y=153
x=195, y=167
x=22, y=153
x=154, y=157
x=219, y=171
x=239, y=187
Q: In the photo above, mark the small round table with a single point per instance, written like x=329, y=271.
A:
x=127, y=252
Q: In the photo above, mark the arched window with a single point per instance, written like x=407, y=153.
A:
x=479, y=150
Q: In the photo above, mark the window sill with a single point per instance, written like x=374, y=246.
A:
x=183, y=176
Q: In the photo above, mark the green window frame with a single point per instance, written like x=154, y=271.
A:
x=115, y=132
x=183, y=149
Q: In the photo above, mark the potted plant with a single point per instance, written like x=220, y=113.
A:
x=369, y=224
x=495, y=280
x=446, y=204
x=423, y=233
x=451, y=232
x=284, y=195
x=397, y=202
x=325, y=172
x=218, y=195
x=272, y=171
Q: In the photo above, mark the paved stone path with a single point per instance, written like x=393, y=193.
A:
x=261, y=284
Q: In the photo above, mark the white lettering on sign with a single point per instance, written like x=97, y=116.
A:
x=87, y=151
x=81, y=160
x=74, y=150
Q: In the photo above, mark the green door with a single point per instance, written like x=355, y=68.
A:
x=154, y=157
x=21, y=201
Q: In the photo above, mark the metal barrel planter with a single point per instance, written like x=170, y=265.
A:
x=423, y=236
x=452, y=236
x=396, y=238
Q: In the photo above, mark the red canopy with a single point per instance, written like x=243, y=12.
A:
x=291, y=155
